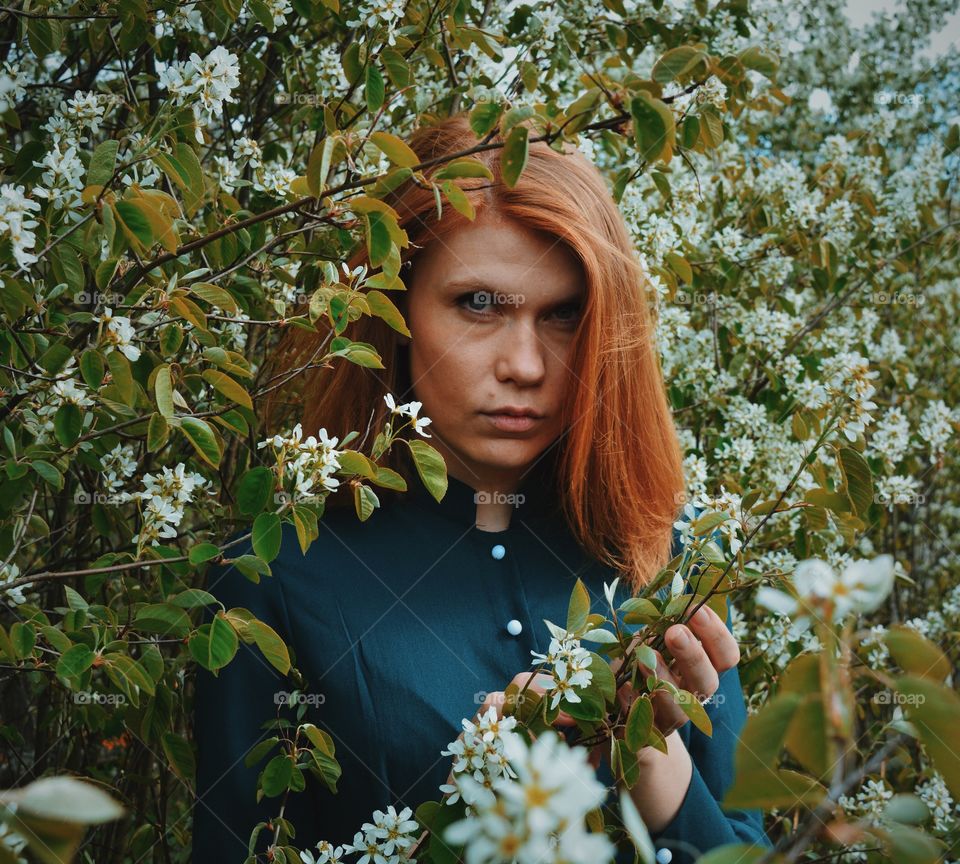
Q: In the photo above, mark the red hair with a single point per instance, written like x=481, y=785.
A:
x=619, y=467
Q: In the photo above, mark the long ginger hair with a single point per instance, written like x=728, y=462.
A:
x=619, y=464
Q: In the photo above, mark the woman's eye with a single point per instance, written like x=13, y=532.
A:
x=476, y=301
x=568, y=314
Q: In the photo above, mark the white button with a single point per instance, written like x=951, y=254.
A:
x=498, y=551
x=664, y=856
x=514, y=627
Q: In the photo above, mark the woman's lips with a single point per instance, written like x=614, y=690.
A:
x=513, y=422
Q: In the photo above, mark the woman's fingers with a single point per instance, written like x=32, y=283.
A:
x=691, y=663
x=718, y=641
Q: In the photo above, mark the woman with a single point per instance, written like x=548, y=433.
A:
x=532, y=353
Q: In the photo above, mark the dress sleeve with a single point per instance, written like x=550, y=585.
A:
x=229, y=711
x=702, y=823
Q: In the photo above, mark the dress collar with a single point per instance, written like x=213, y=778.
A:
x=536, y=496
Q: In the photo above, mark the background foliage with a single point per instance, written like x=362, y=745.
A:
x=180, y=182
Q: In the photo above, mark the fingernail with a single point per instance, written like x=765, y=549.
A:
x=681, y=638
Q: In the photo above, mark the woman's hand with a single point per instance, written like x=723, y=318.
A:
x=701, y=652
x=498, y=698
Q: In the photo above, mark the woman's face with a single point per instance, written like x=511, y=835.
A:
x=492, y=310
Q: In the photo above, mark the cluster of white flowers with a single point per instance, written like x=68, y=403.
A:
x=411, y=410
x=327, y=853
x=935, y=794
x=14, y=78
x=118, y=465
x=203, y=83
x=712, y=92
x=869, y=802
x=119, y=334
x=569, y=662
x=9, y=573
x=185, y=18
x=307, y=461
x=66, y=389
x=478, y=753
x=82, y=110
x=386, y=838
x=859, y=588
x=897, y=489
x=937, y=426
x=15, y=220
x=372, y=13
x=849, y=373
x=166, y=496
x=538, y=816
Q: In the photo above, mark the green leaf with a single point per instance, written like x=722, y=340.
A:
x=365, y=501
x=203, y=552
x=916, y=654
x=653, y=127
x=201, y=436
x=157, y=432
x=267, y=534
x=374, y=91
x=164, y=619
x=383, y=307
x=122, y=376
x=763, y=61
x=135, y=224
x=484, y=118
x=934, y=709
x=858, y=478
x=276, y=777
x=74, y=661
x=396, y=149
x=180, y=755
x=639, y=723
x=254, y=490
x=378, y=237
x=228, y=387
x=92, y=368
x=222, y=643
x=676, y=63
x=430, y=466
x=578, y=608
x=163, y=387
x=466, y=166
x=48, y=472
x=271, y=645
x=102, y=163
x=458, y=198
x=68, y=423
x=513, y=159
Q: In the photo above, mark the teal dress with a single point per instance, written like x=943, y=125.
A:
x=399, y=626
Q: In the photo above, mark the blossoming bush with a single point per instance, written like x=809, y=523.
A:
x=182, y=182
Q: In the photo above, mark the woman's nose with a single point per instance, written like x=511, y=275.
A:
x=520, y=355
